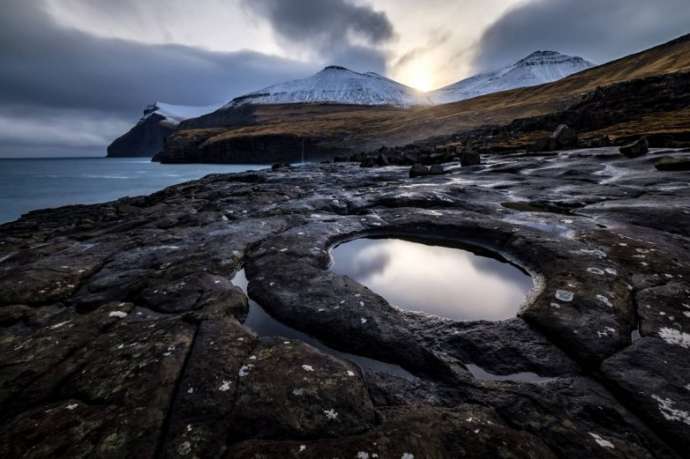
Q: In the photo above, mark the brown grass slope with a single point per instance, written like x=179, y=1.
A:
x=369, y=127
x=503, y=107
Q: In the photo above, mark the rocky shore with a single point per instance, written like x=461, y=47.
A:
x=122, y=335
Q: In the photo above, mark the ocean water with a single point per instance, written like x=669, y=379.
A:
x=29, y=184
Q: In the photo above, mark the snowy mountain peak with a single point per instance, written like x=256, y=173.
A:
x=541, y=54
x=335, y=67
x=338, y=85
x=549, y=58
x=538, y=68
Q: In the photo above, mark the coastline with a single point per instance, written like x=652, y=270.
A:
x=126, y=310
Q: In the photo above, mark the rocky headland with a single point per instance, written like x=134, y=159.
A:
x=123, y=335
x=146, y=138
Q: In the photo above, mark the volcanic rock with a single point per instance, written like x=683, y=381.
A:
x=146, y=138
x=123, y=334
x=436, y=169
x=673, y=164
x=318, y=395
x=419, y=170
x=656, y=386
x=470, y=158
x=633, y=150
x=563, y=137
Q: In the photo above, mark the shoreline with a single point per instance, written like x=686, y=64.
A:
x=126, y=310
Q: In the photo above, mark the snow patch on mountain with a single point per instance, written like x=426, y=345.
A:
x=335, y=84
x=175, y=114
x=538, y=68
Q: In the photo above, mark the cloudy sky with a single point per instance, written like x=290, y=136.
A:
x=75, y=74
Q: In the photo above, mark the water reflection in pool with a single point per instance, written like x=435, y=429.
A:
x=261, y=323
x=444, y=281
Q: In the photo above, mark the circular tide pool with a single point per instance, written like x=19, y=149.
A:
x=443, y=281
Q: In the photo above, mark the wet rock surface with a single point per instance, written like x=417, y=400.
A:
x=122, y=335
x=673, y=164
x=635, y=149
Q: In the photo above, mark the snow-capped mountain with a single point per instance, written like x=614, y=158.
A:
x=175, y=114
x=537, y=68
x=335, y=84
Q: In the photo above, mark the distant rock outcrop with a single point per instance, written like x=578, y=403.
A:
x=147, y=137
x=144, y=139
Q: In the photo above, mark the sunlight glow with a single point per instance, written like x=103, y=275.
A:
x=419, y=77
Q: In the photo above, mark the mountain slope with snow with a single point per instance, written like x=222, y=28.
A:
x=538, y=68
x=175, y=114
x=335, y=84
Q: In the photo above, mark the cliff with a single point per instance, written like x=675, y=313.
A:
x=144, y=139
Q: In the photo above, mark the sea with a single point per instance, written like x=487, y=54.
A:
x=29, y=184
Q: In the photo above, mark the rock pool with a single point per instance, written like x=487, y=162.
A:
x=444, y=281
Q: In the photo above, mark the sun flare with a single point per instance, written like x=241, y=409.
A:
x=420, y=77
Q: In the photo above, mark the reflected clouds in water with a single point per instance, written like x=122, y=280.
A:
x=443, y=281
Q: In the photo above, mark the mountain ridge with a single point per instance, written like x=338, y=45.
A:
x=175, y=113
x=261, y=129
x=537, y=68
x=335, y=84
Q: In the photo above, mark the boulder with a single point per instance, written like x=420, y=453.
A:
x=470, y=158
x=418, y=170
x=563, y=137
x=672, y=164
x=278, y=166
x=368, y=162
x=636, y=149
x=436, y=169
x=382, y=160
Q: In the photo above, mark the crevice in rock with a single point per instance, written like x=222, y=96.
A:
x=632, y=408
x=229, y=439
x=177, y=388
x=593, y=373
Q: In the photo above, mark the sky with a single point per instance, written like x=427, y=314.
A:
x=76, y=74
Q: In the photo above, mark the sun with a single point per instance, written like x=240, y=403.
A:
x=419, y=77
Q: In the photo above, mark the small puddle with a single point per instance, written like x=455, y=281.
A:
x=443, y=281
x=522, y=377
x=540, y=224
x=261, y=323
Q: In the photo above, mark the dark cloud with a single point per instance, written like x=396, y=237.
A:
x=598, y=30
x=341, y=32
x=45, y=68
